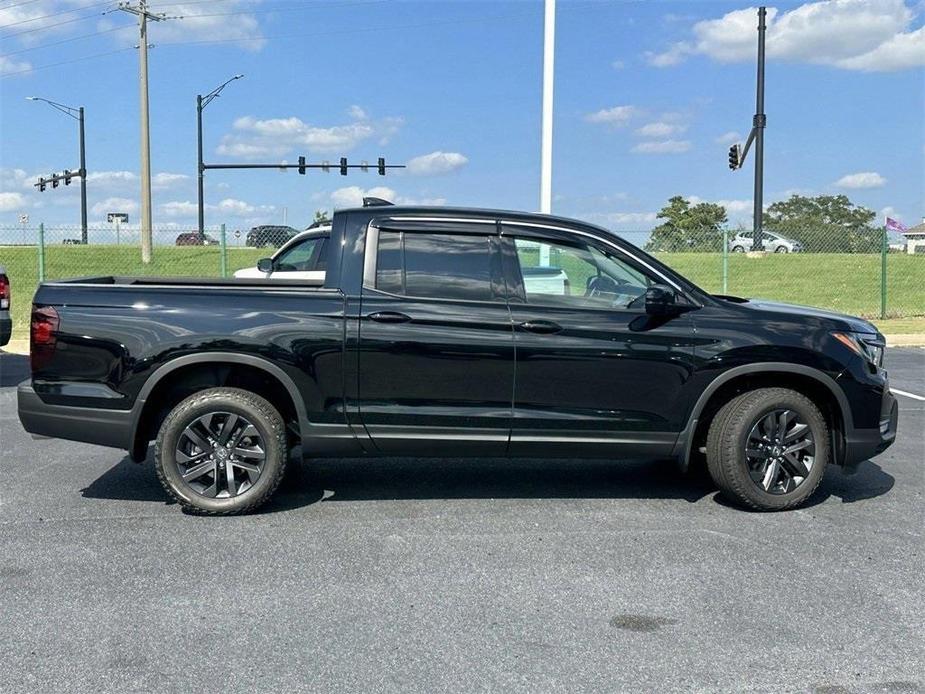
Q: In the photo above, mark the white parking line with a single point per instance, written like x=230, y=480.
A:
x=908, y=395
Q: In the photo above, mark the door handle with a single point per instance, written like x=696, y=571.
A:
x=389, y=317
x=541, y=327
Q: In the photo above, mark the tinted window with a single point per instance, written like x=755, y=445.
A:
x=578, y=275
x=446, y=266
x=300, y=257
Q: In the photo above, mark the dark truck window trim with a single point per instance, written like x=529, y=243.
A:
x=442, y=265
x=485, y=230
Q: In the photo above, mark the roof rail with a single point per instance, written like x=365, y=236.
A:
x=375, y=202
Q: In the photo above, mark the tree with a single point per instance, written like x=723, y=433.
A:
x=321, y=217
x=688, y=227
x=825, y=223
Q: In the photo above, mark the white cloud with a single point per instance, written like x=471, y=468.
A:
x=863, y=179
x=661, y=129
x=674, y=55
x=729, y=138
x=275, y=137
x=168, y=180
x=436, y=163
x=111, y=177
x=114, y=205
x=618, y=64
x=616, y=116
x=901, y=52
x=357, y=112
x=352, y=196
x=229, y=207
x=8, y=66
x=662, y=147
x=12, y=202
x=868, y=35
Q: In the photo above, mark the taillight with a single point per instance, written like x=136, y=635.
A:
x=43, y=335
x=4, y=293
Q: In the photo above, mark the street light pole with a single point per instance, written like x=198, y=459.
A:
x=758, y=124
x=201, y=103
x=77, y=113
x=83, y=180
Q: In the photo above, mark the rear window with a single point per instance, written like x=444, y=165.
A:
x=444, y=266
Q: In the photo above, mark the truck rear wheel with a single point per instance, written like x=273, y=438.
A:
x=768, y=448
x=221, y=451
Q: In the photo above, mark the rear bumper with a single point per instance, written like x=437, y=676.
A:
x=6, y=329
x=862, y=444
x=102, y=427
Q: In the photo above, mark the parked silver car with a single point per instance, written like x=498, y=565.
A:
x=773, y=243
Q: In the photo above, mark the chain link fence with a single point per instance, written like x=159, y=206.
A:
x=868, y=273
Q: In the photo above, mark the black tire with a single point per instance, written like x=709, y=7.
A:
x=738, y=249
x=726, y=444
x=781, y=249
x=258, y=412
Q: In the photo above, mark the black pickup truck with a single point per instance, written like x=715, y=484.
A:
x=425, y=340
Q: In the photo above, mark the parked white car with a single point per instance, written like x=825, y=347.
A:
x=775, y=243
x=304, y=257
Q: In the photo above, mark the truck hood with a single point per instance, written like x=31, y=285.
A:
x=839, y=320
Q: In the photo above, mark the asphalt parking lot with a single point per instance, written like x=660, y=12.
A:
x=422, y=576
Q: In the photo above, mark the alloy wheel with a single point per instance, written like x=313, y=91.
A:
x=780, y=451
x=220, y=455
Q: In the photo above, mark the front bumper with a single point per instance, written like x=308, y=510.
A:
x=861, y=444
x=102, y=427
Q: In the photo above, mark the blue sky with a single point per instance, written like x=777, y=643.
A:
x=648, y=96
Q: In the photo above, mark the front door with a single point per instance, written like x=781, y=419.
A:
x=436, y=345
x=595, y=376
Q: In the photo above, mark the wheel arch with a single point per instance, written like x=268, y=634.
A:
x=180, y=377
x=816, y=385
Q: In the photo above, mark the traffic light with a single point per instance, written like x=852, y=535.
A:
x=735, y=157
x=41, y=185
x=326, y=166
x=364, y=166
x=67, y=177
x=54, y=180
x=343, y=166
x=302, y=165
x=381, y=165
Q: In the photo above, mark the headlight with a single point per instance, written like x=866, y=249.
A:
x=866, y=345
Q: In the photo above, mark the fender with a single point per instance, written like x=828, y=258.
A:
x=321, y=438
x=686, y=437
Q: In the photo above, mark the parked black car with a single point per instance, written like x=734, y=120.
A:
x=423, y=339
x=269, y=236
x=6, y=323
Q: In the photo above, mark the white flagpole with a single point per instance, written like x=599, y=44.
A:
x=549, y=44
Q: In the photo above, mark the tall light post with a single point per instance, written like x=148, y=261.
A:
x=201, y=103
x=549, y=52
x=77, y=113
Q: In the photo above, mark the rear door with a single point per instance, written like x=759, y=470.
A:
x=436, y=345
x=595, y=376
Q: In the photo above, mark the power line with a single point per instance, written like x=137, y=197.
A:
x=73, y=38
x=300, y=8
x=95, y=15
x=53, y=14
x=18, y=4
x=66, y=62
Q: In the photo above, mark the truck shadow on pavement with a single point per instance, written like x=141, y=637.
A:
x=423, y=479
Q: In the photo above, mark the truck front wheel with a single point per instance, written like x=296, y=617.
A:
x=221, y=451
x=768, y=448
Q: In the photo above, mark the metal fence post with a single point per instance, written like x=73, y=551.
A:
x=725, y=261
x=884, y=249
x=41, y=250
x=224, y=252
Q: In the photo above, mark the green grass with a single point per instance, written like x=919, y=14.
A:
x=849, y=283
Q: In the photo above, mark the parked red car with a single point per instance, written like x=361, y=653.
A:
x=194, y=238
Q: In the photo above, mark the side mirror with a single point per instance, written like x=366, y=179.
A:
x=660, y=300
x=265, y=265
